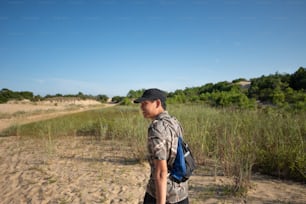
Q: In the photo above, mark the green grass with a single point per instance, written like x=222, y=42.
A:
x=270, y=141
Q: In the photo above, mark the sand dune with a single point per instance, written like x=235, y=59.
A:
x=25, y=111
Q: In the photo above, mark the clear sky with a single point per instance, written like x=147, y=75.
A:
x=113, y=46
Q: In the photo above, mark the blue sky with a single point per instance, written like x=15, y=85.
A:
x=113, y=46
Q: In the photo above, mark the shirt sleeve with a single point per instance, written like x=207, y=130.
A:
x=157, y=142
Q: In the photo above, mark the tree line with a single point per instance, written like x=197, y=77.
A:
x=284, y=90
x=7, y=95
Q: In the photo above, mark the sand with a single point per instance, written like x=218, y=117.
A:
x=23, y=112
x=83, y=170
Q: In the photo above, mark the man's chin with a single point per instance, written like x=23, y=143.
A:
x=145, y=115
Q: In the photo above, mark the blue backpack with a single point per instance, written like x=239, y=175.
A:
x=184, y=163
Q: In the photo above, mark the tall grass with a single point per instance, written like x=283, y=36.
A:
x=270, y=141
x=121, y=123
x=238, y=141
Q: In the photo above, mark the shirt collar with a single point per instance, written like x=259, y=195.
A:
x=162, y=115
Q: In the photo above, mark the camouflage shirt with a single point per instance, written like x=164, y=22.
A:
x=163, y=135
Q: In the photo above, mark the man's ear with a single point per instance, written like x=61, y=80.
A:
x=158, y=103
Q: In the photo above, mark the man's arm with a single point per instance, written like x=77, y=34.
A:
x=161, y=173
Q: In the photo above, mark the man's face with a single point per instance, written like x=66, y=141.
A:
x=149, y=109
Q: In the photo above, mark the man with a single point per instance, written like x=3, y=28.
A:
x=163, y=135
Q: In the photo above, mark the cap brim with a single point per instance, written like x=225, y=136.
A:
x=139, y=100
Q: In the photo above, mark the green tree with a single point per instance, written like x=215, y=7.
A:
x=207, y=88
x=126, y=101
x=102, y=98
x=266, y=88
x=135, y=94
x=5, y=95
x=239, y=80
x=298, y=79
x=26, y=95
x=278, y=96
x=117, y=99
x=222, y=86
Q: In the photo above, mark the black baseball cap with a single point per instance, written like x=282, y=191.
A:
x=152, y=94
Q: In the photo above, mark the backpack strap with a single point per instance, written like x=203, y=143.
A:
x=178, y=131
